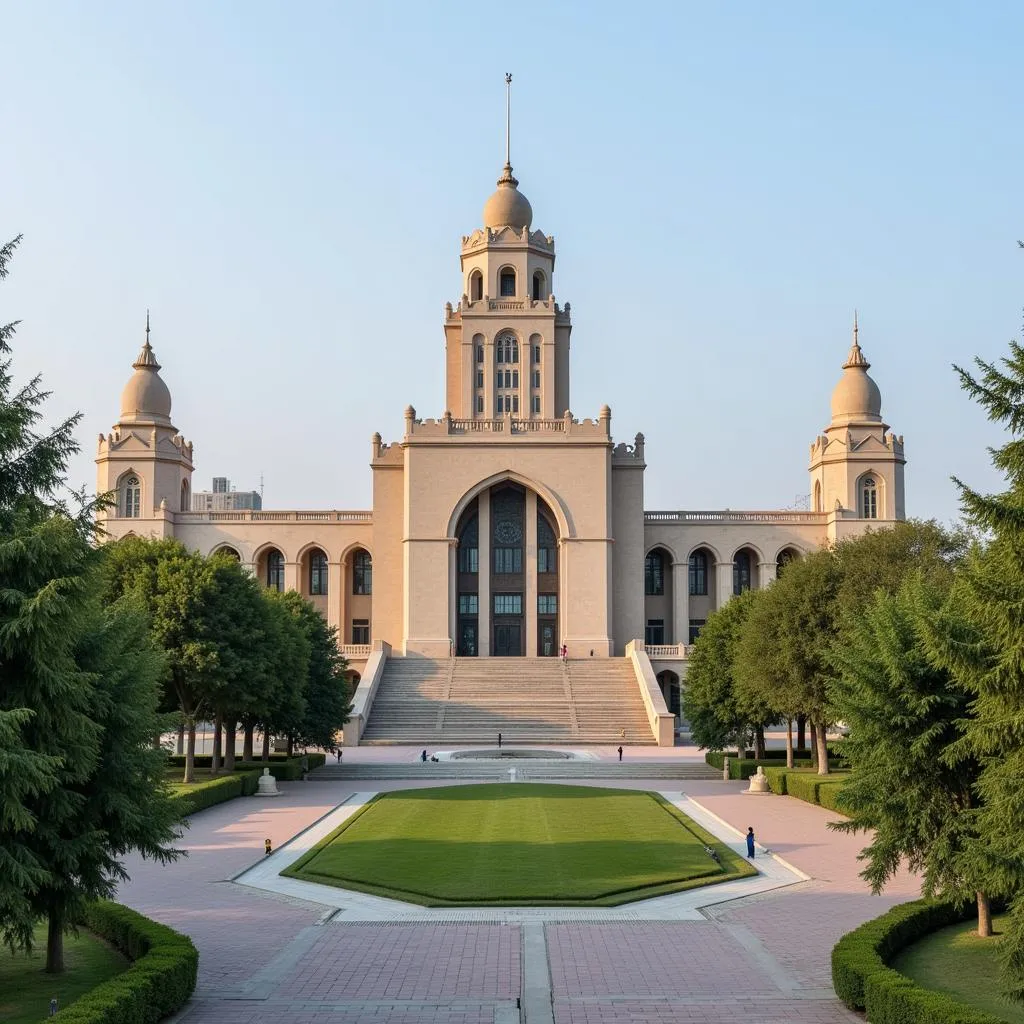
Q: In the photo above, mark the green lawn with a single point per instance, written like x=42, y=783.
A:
x=520, y=844
x=26, y=991
x=955, y=961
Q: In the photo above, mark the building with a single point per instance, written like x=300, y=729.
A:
x=507, y=526
x=222, y=498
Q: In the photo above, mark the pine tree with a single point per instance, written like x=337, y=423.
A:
x=65, y=822
x=911, y=787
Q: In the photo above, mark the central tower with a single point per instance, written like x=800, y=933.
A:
x=507, y=341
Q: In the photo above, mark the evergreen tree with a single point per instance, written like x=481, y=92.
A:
x=988, y=658
x=63, y=824
x=911, y=787
x=326, y=691
x=718, y=718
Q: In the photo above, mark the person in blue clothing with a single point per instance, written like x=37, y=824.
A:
x=750, y=841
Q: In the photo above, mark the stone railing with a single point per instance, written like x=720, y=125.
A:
x=728, y=516
x=355, y=650
x=503, y=304
x=251, y=516
x=673, y=651
x=507, y=425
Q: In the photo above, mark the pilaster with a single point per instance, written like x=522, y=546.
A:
x=680, y=602
x=530, y=568
x=483, y=511
x=724, y=572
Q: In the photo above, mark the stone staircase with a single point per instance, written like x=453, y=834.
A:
x=526, y=769
x=434, y=702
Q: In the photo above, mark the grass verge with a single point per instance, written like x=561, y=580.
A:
x=519, y=844
x=26, y=990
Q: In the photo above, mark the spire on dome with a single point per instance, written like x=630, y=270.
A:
x=146, y=356
x=508, y=207
x=855, y=357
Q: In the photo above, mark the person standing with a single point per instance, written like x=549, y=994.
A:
x=338, y=752
x=620, y=753
x=423, y=756
x=750, y=841
x=499, y=741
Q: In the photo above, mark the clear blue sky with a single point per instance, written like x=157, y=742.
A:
x=285, y=186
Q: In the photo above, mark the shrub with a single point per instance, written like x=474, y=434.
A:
x=864, y=981
x=829, y=793
x=716, y=758
x=159, y=981
x=777, y=780
x=201, y=795
x=803, y=785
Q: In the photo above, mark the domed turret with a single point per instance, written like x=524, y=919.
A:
x=146, y=398
x=856, y=398
x=508, y=207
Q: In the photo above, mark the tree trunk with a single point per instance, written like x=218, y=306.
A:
x=814, y=744
x=190, y=753
x=180, y=747
x=247, y=743
x=984, y=917
x=759, y=743
x=789, y=742
x=291, y=744
x=55, y=943
x=801, y=731
x=266, y=744
x=215, y=756
x=229, y=744
x=822, y=745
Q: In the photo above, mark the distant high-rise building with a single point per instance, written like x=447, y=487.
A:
x=223, y=499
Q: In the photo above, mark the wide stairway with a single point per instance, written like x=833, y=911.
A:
x=527, y=700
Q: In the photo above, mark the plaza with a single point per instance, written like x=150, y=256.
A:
x=276, y=948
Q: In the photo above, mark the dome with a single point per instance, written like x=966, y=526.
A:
x=856, y=397
x=508, y=207
x=146, y=398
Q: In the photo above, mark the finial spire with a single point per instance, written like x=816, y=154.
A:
x=855, y=327
x=146, y=357
x=508, y=119
x=855, y=358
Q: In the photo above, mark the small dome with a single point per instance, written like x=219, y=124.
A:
x=856, y=397
x=508, y=207
x=146, y=398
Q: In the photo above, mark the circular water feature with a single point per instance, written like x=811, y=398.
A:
x=513, y=754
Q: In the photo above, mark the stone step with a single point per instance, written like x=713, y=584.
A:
x=526, y=768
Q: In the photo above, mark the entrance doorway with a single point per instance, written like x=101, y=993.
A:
x=508, y=640
x=467, y=639
x=547, y=646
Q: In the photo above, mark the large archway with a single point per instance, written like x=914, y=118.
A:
x=506, y=591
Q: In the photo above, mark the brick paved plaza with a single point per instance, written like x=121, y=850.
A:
x=267, y=957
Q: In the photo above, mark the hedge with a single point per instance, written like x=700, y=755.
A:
x=745, y=767
x=201, y=795
x=159, y=981
x=864, y=981
x=284, y=769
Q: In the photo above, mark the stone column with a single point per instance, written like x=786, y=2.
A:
x=724, y=571
x=483, y=512
x=344, y=633
x=291, y=575
x=681, y=602
x=335, y=599
x=453, y=593
x=769, y=570
x=530, y=569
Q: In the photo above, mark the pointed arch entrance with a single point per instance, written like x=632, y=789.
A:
x=506, y=592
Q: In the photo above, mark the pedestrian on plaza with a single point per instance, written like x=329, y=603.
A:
x=620, y=753
x=565, y=652
x=499, y=741
x=750, y=841
x=305, y=766
x=423, y=756
x=338, y=752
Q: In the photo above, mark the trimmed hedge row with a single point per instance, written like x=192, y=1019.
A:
x=815, y=789
x=864, y=981
x=159, y=981
x=284, y=769
x=743, y=768
x=201, y=795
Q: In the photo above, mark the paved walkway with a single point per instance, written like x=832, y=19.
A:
x=272, y=957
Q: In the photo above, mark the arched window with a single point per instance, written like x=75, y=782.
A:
x=469, y=547
x=275, y=570
x=786, y=555
x=362, y=573
x=699, y=573
x=507, y=349
x=228, y=552
x=538, y=285
x=317, y=573
x=654, y=573
x=476, y=286
x=868, y=498
x=507, y=283
x=131, y=498
x=741, y=569
x=480, y=354
x=817, y=496
x=547, y=546
x=184, y=496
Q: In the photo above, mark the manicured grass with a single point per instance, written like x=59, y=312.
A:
x=519, y=844
x=955, y=961
x=26, y=991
